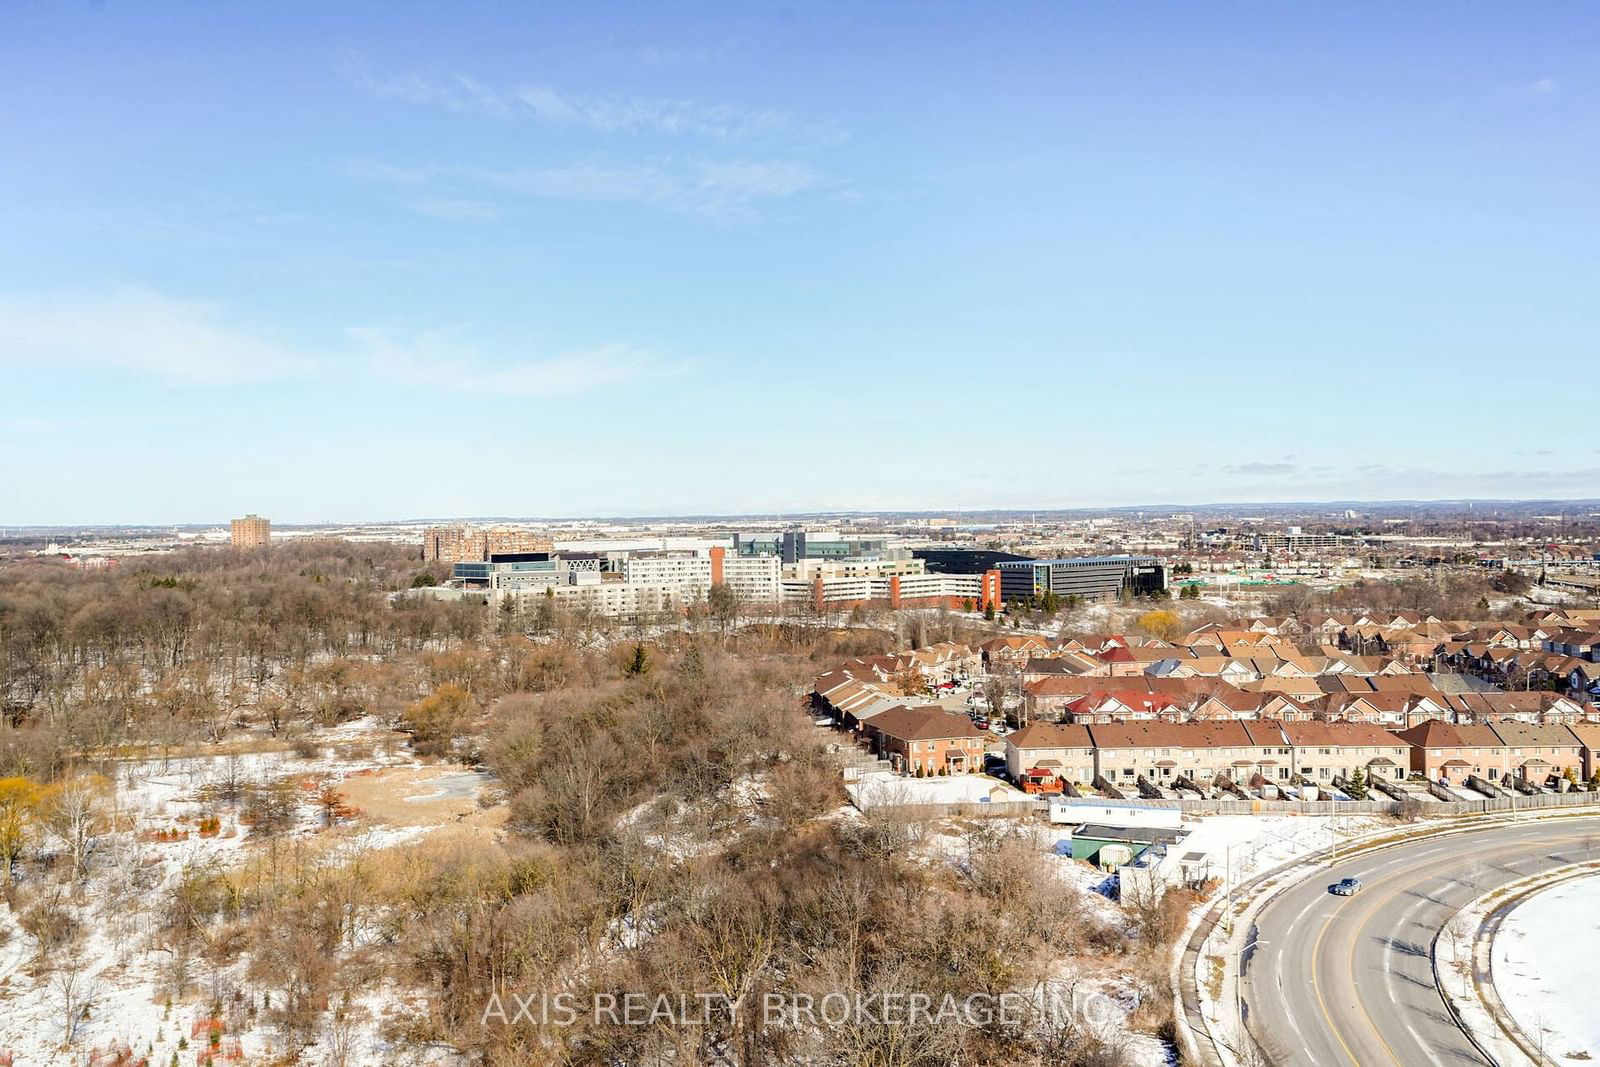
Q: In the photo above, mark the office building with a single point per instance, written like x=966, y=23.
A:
x=1295, y=540
x=1086, y=577
x=963, y=560
x=792, y=546
x=955, y=592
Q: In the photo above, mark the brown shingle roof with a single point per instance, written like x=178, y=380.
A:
x=1335, y=734
x=926, y=723
x=1050, y=735
x=1437, y=734
x=1527, y=735
x=1227, y=734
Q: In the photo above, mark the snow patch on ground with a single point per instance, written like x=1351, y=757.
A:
x=1243, y=846
x=121, y=971
x=885, y=787
x=1543, y=959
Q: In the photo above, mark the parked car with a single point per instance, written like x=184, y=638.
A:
x=1345, y=887
x=981, y=723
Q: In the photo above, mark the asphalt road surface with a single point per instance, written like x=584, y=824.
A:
x=1349, y=980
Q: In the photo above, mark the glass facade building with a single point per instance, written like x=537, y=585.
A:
x=1086, y=577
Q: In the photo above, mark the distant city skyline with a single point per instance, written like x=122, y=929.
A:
x=349, y=262
x=1362, y=509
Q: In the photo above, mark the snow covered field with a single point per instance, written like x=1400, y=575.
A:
x=153, y=840
x=1544, y=968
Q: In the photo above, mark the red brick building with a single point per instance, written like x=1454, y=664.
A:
x=929, y=738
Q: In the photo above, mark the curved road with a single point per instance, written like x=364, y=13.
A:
x=1349, y=980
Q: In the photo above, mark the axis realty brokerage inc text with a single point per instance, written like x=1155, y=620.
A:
x=779, y=1009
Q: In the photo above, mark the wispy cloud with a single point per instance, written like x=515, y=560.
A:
x=132, y=329
x=727, y=190
x=1544, y=85
x=600, y=112
x=457, y=92
x=453, y=209
x=637, y=114
x=181, y=342
x=434, y=360
x=1259, y=469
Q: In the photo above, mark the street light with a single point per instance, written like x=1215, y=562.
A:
x=1247, y=865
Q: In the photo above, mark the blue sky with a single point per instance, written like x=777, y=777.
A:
x=365, y=261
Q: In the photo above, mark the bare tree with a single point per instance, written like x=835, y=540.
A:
x=74, y=815
x=74, y=991
x=1459, y=934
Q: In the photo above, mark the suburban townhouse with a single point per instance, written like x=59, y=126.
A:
x=943, y=662
x=1123, y=661
x=1413, y=684
x=1243, y=704
x=1302, y=690
x=1065, y=750
x=1053, y=698
x=1390, y=710
x=1047, y=698
x=1528, y=707
x=1119, y=705
x=1199, y=751
x=1287, y=626
x=1341, y=662
x=1451, y=752
x=1496, y=635
x=1293, y=665
x=1182, y=663
x=1012, y=651
x=1326, y=751
x=1583, y=676
x=1580, y=643
x=1588, y=735
x=1119, y=662
x=1570, y=618
x=1536, y=752
x=1544, y=669
x=1201, y=633
x=857, y=705
x=928, y=739
x=1325, y=627
x=1063, y=663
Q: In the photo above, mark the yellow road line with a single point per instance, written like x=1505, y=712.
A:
x=1316, y=952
